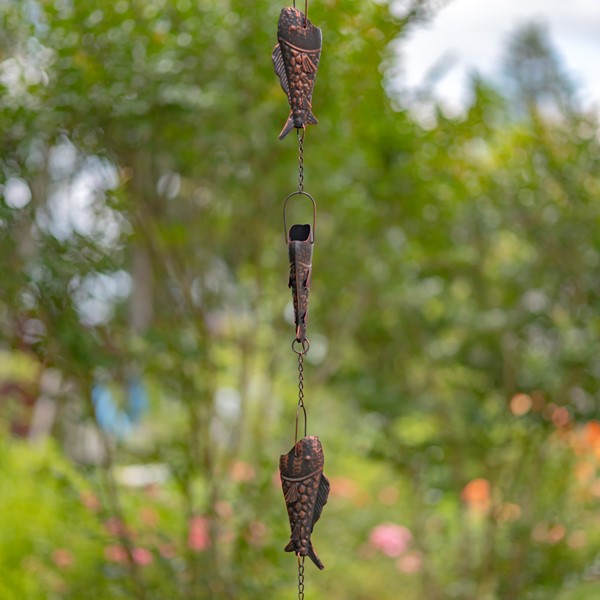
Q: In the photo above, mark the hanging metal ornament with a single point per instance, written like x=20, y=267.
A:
x=300, y=240
x=305, y=487
x=306, y=490
x=296, y=59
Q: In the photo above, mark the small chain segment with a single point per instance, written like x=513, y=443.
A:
x=301, y=410
x=300, y=379
x=300, y=160
x=301, y=578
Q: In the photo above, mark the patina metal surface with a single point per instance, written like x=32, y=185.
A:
x=306, y=490
x=300, y=250
x=296, y=59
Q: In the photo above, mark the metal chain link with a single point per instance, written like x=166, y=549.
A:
x=301, y=408
x=300, y=379
x=300, y=159
x=301, y=578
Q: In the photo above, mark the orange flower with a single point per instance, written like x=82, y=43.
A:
x=476, y=495
x=520, y=404
x=592, y=434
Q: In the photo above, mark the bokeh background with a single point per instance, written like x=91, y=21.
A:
x=147, y=386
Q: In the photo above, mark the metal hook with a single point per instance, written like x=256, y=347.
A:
x=312, y=231
x=302, y=408
x=305, y=12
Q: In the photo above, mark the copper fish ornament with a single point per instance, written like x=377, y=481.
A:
x=306, y=490
x=296, y=58
x=300, y=251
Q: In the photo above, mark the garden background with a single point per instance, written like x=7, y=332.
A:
x=147, y=386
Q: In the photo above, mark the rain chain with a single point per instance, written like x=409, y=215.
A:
x=305, y=487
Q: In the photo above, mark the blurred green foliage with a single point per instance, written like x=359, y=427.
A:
x=453, y=373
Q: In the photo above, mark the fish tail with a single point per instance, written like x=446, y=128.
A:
x=289, y=125
x=313, y=556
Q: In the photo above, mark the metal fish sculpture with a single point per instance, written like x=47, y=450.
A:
x=296, y=58
x=300, y=251
x=306, y=490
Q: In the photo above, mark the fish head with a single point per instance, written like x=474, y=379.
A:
x=295, y=28
x=311, y=451
x=303, y=459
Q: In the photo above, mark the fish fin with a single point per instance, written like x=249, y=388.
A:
x=308, y=279
x=280, y=69
x=322, y=496
x=313, y=556
x=292, y=493
x=289, y=125
x=311, y=119
x=290, y=546
x=308, y=66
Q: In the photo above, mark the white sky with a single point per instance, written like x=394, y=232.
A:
x=473, y=34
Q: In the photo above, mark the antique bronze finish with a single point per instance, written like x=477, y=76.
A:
x=296, y=59
x=305, y=488
x=300, y=240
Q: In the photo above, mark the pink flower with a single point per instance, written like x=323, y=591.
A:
x=62, y=558
x=391, y=539
x=410, y=563
x=199, y=537
x=114, y=526
x=142, y=557
x=115, y=553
